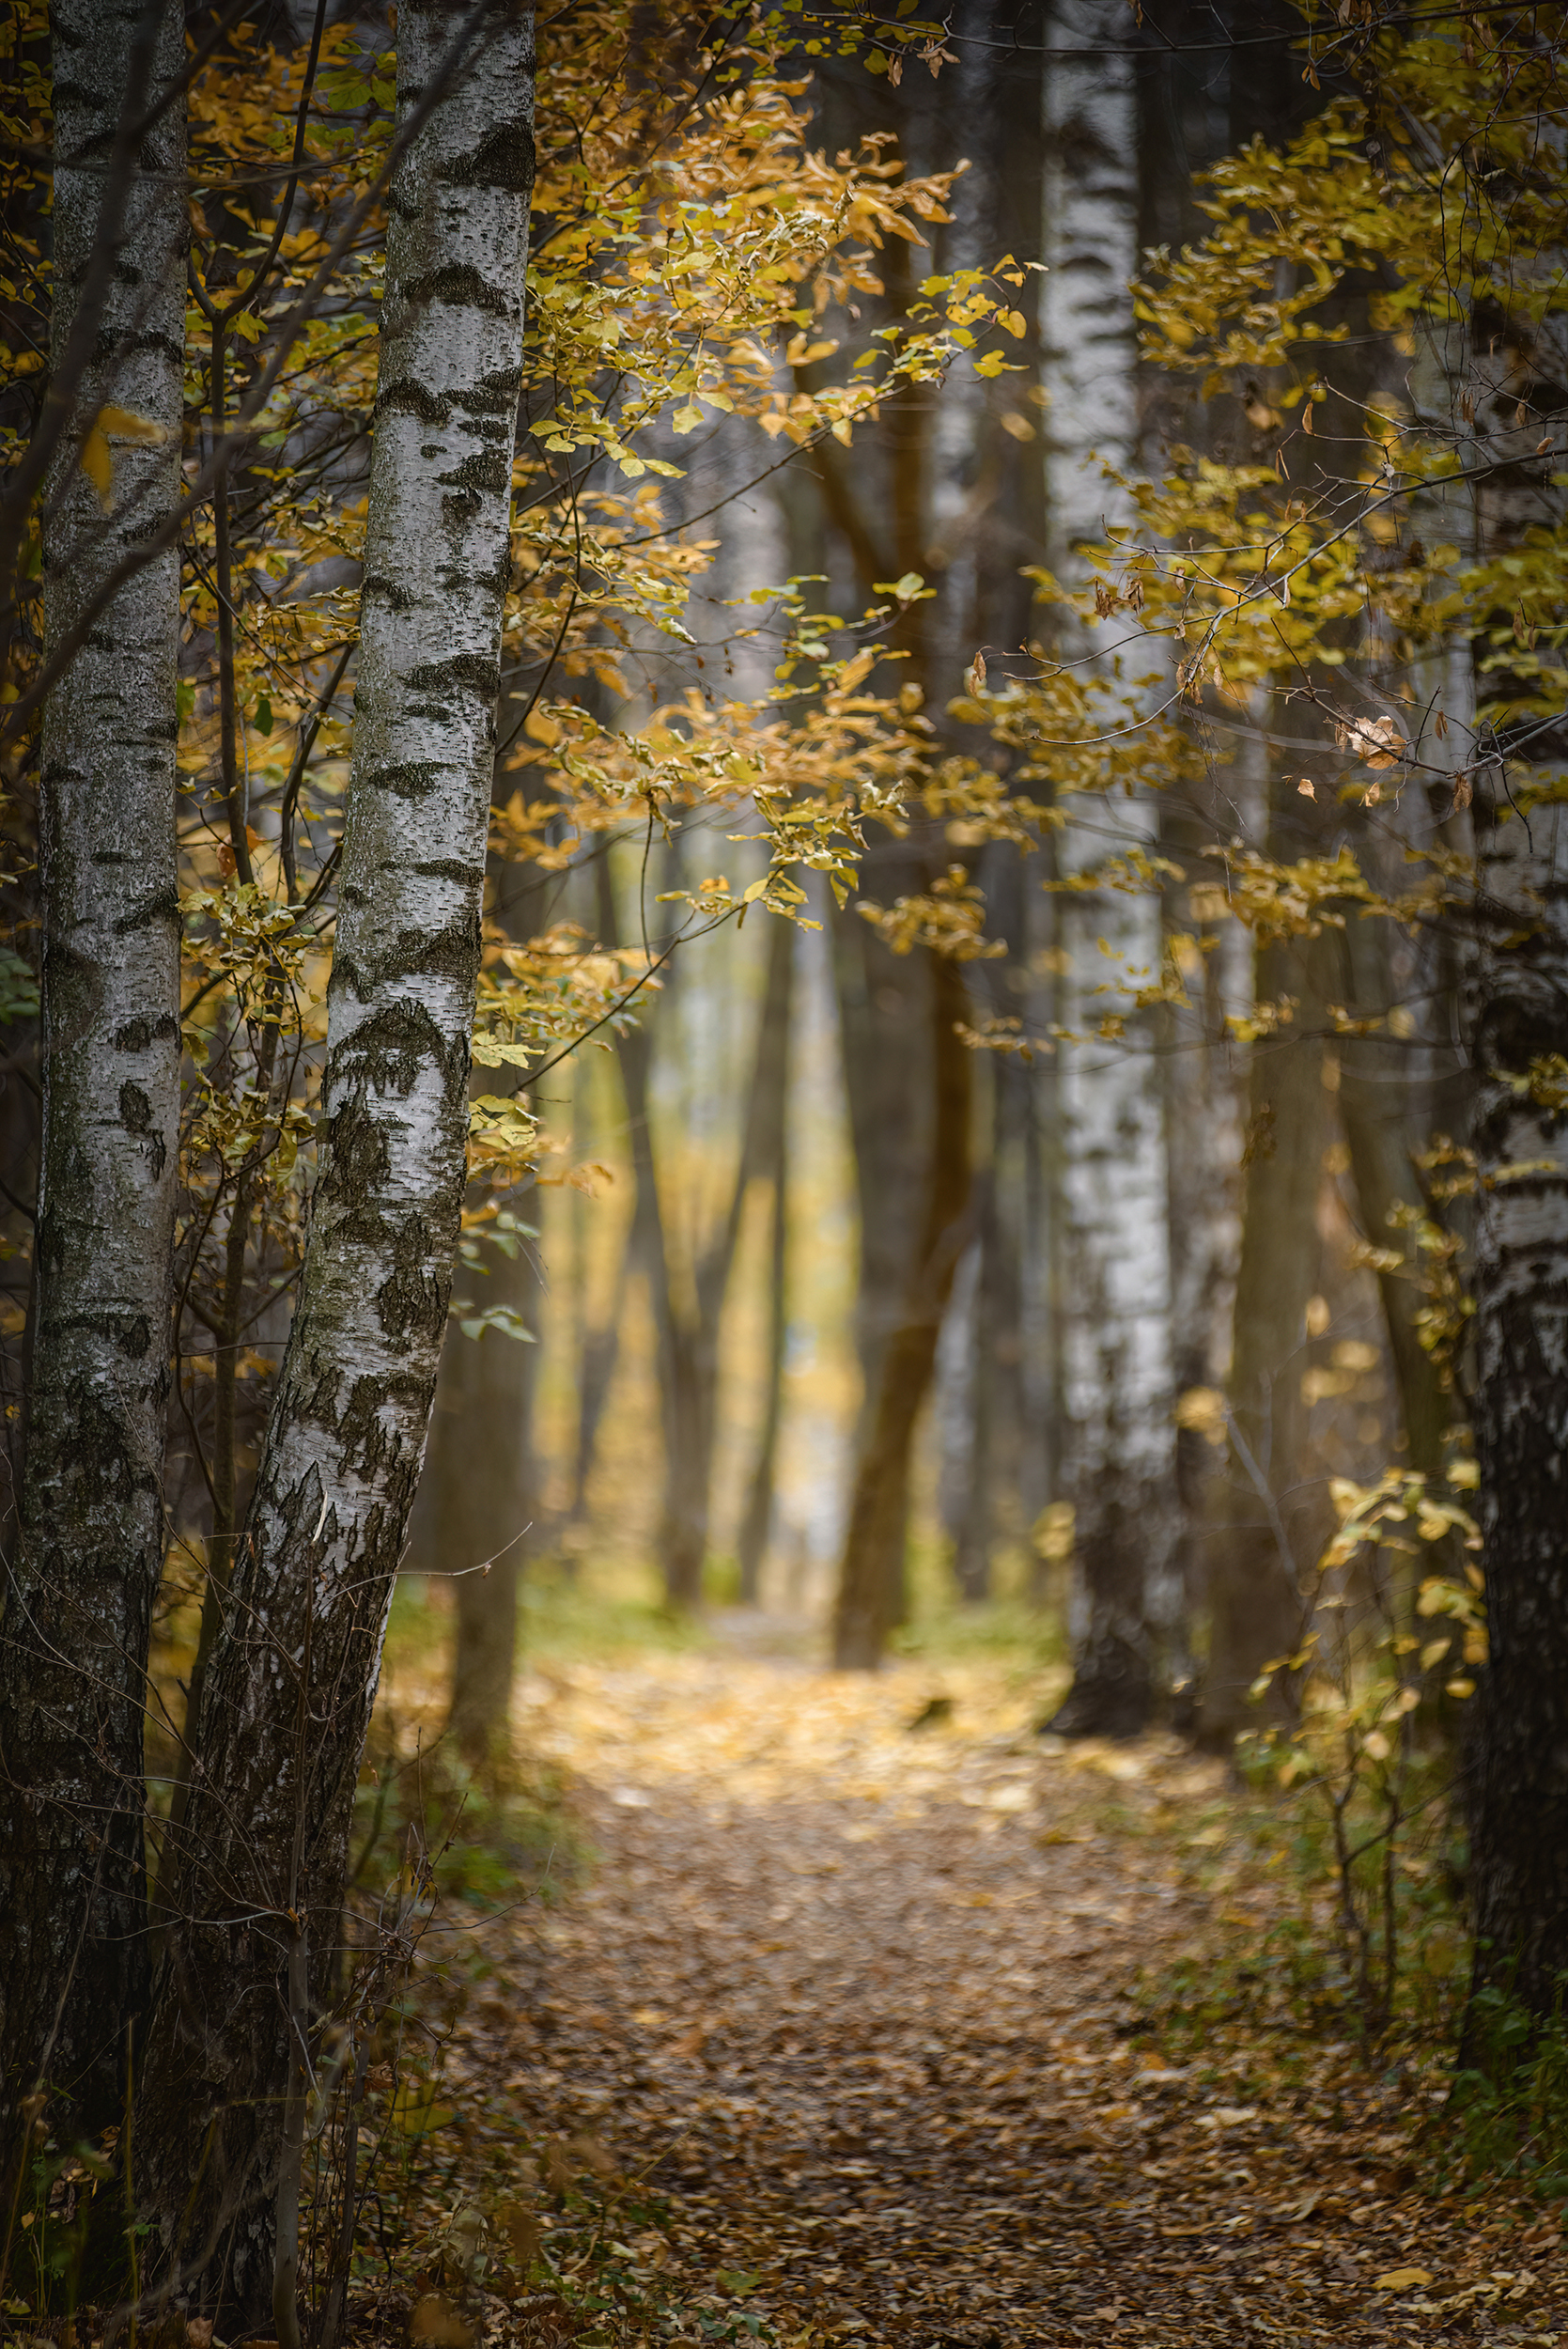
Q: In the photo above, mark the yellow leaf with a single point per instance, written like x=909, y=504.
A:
x=1404, y=2280
x=687, y=418
x=416, y=2111
x=125, y=424
x=1013, y=321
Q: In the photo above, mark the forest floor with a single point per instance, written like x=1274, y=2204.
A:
x=858, y=2031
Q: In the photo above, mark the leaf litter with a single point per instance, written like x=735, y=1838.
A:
x=858, y=2029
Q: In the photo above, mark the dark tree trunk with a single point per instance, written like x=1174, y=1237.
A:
x=1519, y=1015
x=483, y=1500
x=1383, y=1107
x=1254, y=1598
x=477, y=1497
x=871, y=1573
x=772, y=1152
x=261, y=1854
x=73, y=1643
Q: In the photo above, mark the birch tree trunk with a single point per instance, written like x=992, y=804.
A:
x=1517, y=1025
x=1519, y=1015
x=1121, y=1439
x=261, y=1852
x=73, y=1641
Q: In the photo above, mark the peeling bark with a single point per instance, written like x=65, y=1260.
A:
x=306, y=1611
x=79, y=1594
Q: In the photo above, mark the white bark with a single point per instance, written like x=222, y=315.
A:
x=78, y=1602
x=1517, y=1023
x=293, y=1674
x=1120, y=1467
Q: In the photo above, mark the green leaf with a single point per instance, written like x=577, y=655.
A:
x=502, y=1317
x=263, y=715
x=416, y=2111
x=19, y=989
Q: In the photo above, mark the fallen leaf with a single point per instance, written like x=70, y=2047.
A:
x=1404, y=2280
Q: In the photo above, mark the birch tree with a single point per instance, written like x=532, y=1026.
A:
x=1120, y=1438
x=261, y=1854
x=1518, y=1027
x=73, y=1641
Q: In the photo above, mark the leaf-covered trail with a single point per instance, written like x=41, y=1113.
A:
x=858, y=2001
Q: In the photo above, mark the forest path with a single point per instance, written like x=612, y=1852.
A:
x=855, y=2000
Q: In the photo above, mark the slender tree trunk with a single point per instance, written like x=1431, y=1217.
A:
x=1519, y=1015
x=1121, y=1451
x=1254, y=1598
x=871, y=1573
x=484, y=1499
x=73, y=1641
x=477, y=1496
x=772, y=1156
x=287, y=1701
x=687, y=1328
x=1382, y=1101
x=1518, y=1029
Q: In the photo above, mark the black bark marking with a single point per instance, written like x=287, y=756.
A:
x=135, y=1110
x=485, y=470
x=462, y=287
x=503, y=158
x=463, y=668
x=413, y=780
x=387, y=1052
x=383, y=591
x=163, y=906
x=360, y=1161
x=135, y=1337
x=410, y=1302
x=363, y=1429
x=493, y=394
x=406, y=397
x=135, y=1036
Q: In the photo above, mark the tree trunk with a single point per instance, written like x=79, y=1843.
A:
x=74, y=1641
x=484, y=1499
x=1383, y=1108
x=1519, y=1014
x=772, y=1154
x=871, y=1573
x=1120, y=1440
x=1254, y=1601
x=477, y=1496
x=293, y=1674
x=687, y=1327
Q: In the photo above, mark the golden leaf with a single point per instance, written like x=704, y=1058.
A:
x=96, y=462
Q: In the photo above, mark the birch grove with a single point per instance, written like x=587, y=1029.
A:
x=506, y=518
